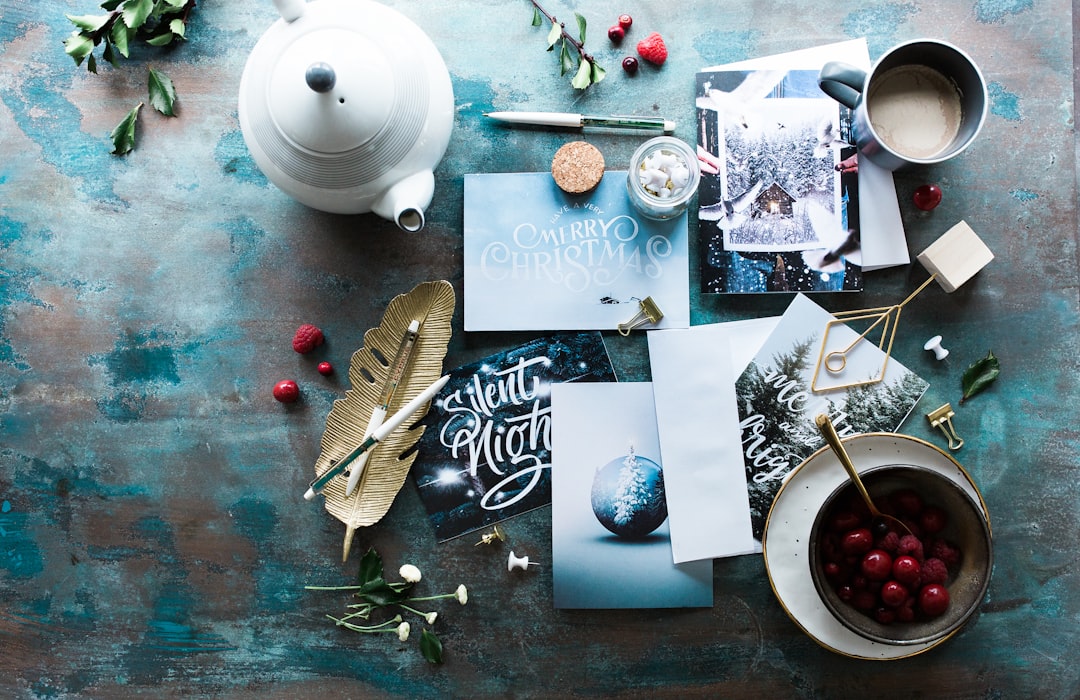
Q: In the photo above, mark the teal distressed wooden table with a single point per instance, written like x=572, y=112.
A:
x=153, y=541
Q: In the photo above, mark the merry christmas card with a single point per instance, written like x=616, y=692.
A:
x=785, y=387
x=610, y=536
x=485, y=454
x=537, y=258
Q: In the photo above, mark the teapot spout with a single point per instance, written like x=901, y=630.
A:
x=405, y=201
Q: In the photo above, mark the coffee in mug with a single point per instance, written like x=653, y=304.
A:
x=922, y=102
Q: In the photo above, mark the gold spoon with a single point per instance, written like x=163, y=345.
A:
x=828, y=431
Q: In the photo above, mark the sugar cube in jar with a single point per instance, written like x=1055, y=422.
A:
x=663, y=177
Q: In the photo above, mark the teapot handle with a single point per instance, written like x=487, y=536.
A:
x=290, y=9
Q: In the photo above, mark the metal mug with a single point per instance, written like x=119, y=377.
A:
x=922, y=102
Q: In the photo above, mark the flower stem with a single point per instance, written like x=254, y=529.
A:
x=562, y=25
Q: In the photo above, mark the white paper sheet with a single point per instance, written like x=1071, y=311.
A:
x=884, y=243
x=694, y=373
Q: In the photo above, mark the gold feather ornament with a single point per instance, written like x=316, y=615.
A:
x=432, y=305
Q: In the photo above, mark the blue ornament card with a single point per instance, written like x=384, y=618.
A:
x=610, y=535
x=485, y=454
x=537, y=258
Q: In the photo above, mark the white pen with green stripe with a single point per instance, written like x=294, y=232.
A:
x=391, y=424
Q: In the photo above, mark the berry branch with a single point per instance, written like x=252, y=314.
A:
x=588, y=72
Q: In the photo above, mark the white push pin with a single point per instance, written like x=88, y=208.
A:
x=934, y=345
x=516, y=562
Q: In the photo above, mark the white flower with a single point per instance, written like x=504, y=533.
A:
x=462, y=594
x=409, y=573
x=430, y=617
x=403, y=631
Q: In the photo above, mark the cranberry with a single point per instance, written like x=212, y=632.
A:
x=893, y=594
x=876, y=565
x=933, y=599
x=906, y=612
x=844, y=520
x=927, y=197
x=625, y=21
x=857, y=541
x=630, y=65
x=933, y=520
x=616, y=33
x=864, y=600
x=845, y=593
x=834, y=572
x=325, y=369
x=907, y=501
x=286, y=391
x=907, y=570
x=885, y=616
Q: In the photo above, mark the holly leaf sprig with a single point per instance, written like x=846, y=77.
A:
x=375, y=593
x=979, y=375
x=588, y=71
x=157, y=22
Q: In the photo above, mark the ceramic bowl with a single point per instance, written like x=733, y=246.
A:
x=966, y=527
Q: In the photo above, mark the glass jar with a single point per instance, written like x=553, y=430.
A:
x=663, y=177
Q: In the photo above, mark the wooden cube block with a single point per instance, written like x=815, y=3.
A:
x=956, y=256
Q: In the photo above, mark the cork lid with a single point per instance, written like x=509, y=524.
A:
x=577, y=167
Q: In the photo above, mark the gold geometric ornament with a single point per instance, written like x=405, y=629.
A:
x=432, y=305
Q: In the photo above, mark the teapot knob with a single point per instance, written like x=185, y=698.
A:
x=320, y=77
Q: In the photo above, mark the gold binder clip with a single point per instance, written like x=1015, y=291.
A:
x=648, y=312
x=942, y=418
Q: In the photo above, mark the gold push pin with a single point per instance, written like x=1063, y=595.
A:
x=648, y=312
x=942, y=418
x=488, y=538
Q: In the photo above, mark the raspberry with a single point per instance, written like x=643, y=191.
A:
x=933, y=571
x=630, y=65
x=652, y=49
x=944, y=551
x=616, y=34
x=625, y=21
x=325, y=369
x=286, y=391
x=912, y=546
x=890, y=542
x=307, y=338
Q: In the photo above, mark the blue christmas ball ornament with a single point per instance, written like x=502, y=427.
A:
x=628, y=496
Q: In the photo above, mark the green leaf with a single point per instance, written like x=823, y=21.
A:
x=178, y=4
x=178, y=27
x=537, y=19
x=91, y=64
x=89, y=23
x=136, y=12
x=598, y=73
x=581, y=27
x=108, y=54
x=111, y=5
x=382, y=593
x=78, y=46
x=160, y=39
x=583, y=78
x=123, y=136
x=371, y=567
x=979, y=375
x=162, y=93
x=431, y=646
x=554, y=35
x=566, y=60
x=121, y=34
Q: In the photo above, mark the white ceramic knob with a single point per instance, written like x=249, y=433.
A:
x=934, y=346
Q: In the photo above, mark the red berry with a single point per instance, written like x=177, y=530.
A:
x=630, y=65
x=616, y=33
x=625, y=21
x=906, y=501
x=307, y=338
x=653, y=49
x=933, y=520
x=906, y=612
x=286, y=391
x=910, y=544
x=864, y=600
x=890, y=542
x=893, y=594
x=844, y=520
x=857, y=541
x=907, y=570
x=876, y=565
x=325, y=369
x=944, y=551
x=885, y=616
x=845, y=593
x=927, y=197
x=933, y=570
x=933, y=599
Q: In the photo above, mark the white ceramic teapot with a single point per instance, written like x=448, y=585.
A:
x=347, y=106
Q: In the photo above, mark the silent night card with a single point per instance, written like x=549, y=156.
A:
x=777, y=402
x=537, y=258
x=778, y=204
x=610, y=540
x=485, y=454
